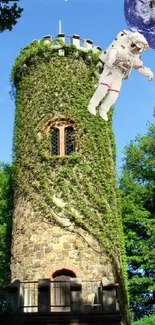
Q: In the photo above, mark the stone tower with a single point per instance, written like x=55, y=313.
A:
x=66, y=218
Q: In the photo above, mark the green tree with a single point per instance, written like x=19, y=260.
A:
x=9, y=13
x=137, y=185
x=145, y=321
x=6, y=208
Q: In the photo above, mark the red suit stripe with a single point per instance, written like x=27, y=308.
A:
x=102, y=83
x=117, y=91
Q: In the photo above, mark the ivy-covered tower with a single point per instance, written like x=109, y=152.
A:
x=66, y=217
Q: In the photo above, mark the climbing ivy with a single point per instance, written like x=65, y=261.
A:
x=47, y=84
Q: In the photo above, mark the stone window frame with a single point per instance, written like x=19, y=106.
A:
x=61, y=122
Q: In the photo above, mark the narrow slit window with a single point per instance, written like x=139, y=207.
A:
x=69, y=140
x=55, y=141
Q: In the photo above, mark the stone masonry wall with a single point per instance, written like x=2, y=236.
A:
x=40, y=248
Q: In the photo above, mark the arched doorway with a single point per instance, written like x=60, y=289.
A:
x=61, y=299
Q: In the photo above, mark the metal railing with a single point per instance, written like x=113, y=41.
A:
x=66, y=296
x=60, y=296
x=68, y=40
x=29, y=296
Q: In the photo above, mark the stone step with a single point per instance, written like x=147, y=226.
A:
x=68, y=319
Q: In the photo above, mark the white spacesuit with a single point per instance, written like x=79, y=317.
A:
x=117, y=62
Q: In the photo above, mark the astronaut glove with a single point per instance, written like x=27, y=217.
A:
x=151, y=77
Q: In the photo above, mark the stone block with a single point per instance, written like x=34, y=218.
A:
x=44, y=295
x=76, y=294
x=76, y=40
x=108, y=295
x=13, y=295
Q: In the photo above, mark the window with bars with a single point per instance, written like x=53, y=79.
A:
x=69, y=140
x=62, y=139
x=55, y=143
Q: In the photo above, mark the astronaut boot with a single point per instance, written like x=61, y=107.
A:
x=103, y=114
x=109, y=102
x=92, y=109
x=96, y=98
x=104, y=109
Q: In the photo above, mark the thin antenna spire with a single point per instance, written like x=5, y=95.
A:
x=60, y=29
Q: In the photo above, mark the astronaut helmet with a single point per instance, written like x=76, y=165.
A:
x=138, y=42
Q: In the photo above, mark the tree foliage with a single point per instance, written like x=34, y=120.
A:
x=137, y=185
x=145, y=321
x=6, y=208
x=9, y=13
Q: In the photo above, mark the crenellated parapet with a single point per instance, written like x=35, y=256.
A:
x=81, y=44
x=49, y=46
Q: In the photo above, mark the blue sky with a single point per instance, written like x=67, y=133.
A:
x=98, y=20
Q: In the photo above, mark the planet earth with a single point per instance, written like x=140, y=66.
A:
x=140, y=16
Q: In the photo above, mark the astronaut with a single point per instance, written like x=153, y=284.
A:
x=116, y=42
x=117, y=62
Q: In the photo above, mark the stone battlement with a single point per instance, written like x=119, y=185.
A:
x=81, y=44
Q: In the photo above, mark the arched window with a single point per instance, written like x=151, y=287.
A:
x=61, y=134
x=63, y=273
x=62, y=139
